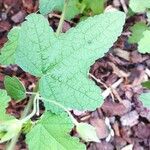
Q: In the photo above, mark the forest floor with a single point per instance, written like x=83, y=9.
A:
x=129, y=120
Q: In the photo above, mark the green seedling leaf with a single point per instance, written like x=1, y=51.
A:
x=7, y=55
x=4, y=100
x=9, y=129
x=146, y=84
x=145, y=98
x=139, y=6
x=14, y=88
x=87, y=132
x=51, y=133
x=137, y=32
x=144, y=46
x=47, y=6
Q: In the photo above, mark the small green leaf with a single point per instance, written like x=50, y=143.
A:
x=7, y=55
x=137, y=32
x=9, y=129
x=14, y=88
x=139, y=5
x=47, y=6
x=97, y=6
x=145, y=98
x=72, y=9
x=146, y=84
x=144, y=46
x=4, y=100
x=52, y=133
x=87, y=132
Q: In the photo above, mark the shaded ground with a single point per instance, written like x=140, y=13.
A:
x=129, y=120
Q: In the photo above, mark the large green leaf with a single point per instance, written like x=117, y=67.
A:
x=63, y=61
x=15, y=88
x=4, y=100
x=144, y=46
x=52, y=133
x=137, y=32
x=145, y=98
x=139, y=5
x=68, y=81
x=7, y=55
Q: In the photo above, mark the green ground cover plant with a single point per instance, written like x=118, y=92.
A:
x=61, y=62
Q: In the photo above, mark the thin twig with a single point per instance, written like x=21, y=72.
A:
x=124, y=6
x=59, y=29
x=114, y=86
x=11, y=145
x=147, y=71
x=99, y=81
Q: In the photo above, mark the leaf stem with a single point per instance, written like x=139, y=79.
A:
x=24, y=120
x=59, y=29
x=64, y=108
x=11, y=145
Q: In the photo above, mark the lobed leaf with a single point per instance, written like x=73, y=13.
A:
x=63, y=61
x=14, y=88
x=68, y=81
x=51, y=133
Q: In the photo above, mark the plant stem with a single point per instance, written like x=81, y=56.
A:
x=11, y=145
x=61, y=106
x=59, y=29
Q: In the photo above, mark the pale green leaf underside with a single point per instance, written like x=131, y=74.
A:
x=7, y=55
x=14, y=88
x=137, y=32
x=139, y=5
x=46, y=6
x=4, y=100
x=145, y=98
x=52, y=133
x=144, y=43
